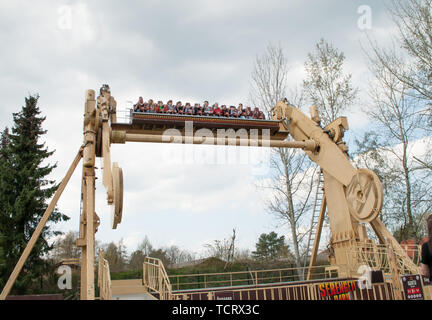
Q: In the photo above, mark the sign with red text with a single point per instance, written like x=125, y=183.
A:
x=412, y=287
x=337, y=290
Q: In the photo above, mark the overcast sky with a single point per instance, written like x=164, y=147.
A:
x=180, y=50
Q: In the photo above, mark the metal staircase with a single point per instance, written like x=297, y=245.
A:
x=319, y=195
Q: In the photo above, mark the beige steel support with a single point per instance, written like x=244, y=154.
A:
x=40, y=227
x=88, y=216
x=342, y=225
x=106, y=106
x=81, y=242
x=353, y=195
x=317, y=236
x=107, y=174
x=88, y=232
x=119, y=137
x=397, y=287
x=385, y=236
x=329, y=157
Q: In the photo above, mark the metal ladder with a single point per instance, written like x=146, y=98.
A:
x=315, y=216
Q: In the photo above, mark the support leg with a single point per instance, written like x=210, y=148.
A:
x=87, y=230
x=88, y=254
x=383, y=233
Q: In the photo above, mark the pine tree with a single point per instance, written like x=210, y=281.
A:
x=24, y=194
x=3, y=219
x=2, y=260
x=269, y=247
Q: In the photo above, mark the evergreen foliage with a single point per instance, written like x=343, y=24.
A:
x=269, y=247
x=24, y=194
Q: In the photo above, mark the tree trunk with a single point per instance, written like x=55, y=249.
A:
x=291, y=215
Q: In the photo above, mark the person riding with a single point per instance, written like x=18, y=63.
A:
x=138, y=105
x=255, y=113
x=240, y=109
x=160, y=107
x=207, y=110
x=179, y=107
x=233, y=112
x=225, y=111
x=151, y=106
x=188, y=110
x=169, y=108
x=216, y=110
x=146, y=107
x=248, y=113
x=197, y=109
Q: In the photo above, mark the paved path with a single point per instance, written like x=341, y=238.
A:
x=137, y=296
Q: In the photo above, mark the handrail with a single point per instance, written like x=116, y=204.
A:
x=239, y=278
x=156, y=279
x=303, y=291
x=376, y=257
x=104, y=278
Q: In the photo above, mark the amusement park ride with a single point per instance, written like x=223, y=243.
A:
x=352, y=197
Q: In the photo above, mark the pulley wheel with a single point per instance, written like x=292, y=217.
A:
x=117, y=206
x=364, y=196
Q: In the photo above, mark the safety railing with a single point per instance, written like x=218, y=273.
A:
x=376, y=257
x=125, y=115
x=155, y=278
x=245, y=278
x=104, y=278
x=336, y=289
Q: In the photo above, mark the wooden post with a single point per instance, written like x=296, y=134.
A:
x=40, y=227
x=160, y=284
x=144, y=281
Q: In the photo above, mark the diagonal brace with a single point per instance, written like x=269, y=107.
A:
x=40, y=226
